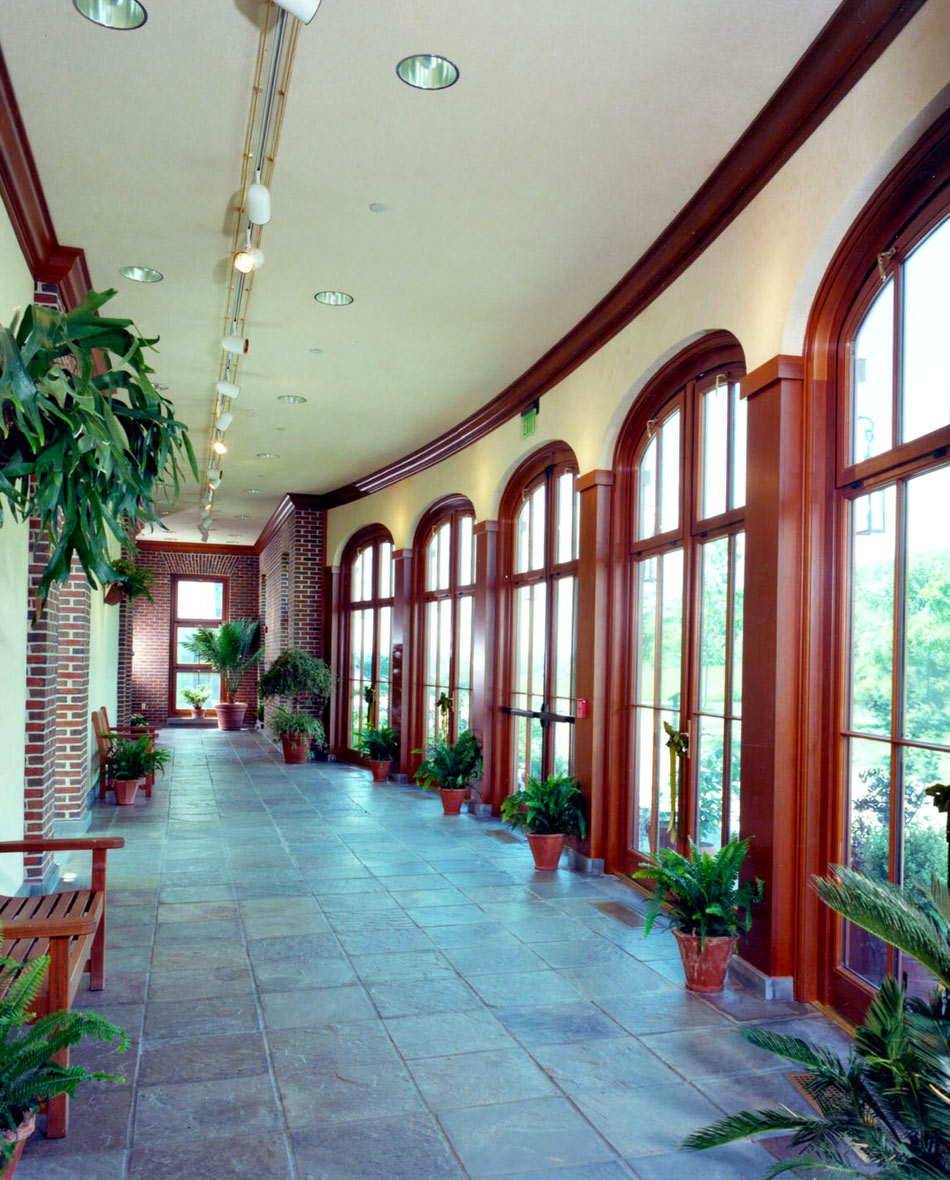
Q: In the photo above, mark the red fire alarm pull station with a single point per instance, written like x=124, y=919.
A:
x=580, y=711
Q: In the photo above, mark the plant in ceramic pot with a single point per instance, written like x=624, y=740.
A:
x=380, y=746
x=549, y=810
x=450, y=769
x=196, y=697
x=710, y=907
x=296, y=673
x=139, y=721
x=29, y=1071
x=129, y=581
x=230, y=649
x=130, y=762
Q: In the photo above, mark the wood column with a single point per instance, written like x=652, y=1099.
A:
x=771, y=809
x=591, y=654
x=485, y=648
x=401, y=654
x=333, y=654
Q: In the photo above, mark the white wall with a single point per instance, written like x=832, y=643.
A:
x=103, y=662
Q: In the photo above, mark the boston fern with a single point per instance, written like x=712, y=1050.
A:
x=891, y=1098
x=452, y=767
x=380, y=744
x=547, y=807
x=83, y=451
x=702, y=890
x=28, y=1073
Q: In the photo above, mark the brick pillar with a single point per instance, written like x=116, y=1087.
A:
x=42, y=653
x=124, y=678
x=306, y=590
x=72, y=697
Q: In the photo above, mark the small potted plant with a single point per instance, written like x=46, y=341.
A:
x=549, y=811
x=196, y=697
x=450, y=769
x=138, y=723
x=131, y=581
x=380, y=746
x=29, y=1071
x=296, y=673
x=709, y=906
x=130, y=763
x=230, y=649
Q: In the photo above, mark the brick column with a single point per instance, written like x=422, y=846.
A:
x=306, y=591
x=72, y=698
x=485, y=716
x=124, y=678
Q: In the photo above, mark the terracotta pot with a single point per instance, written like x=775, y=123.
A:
x=296, y=747
x=19, y=1136
x=380, y=770
x=452, y=799
x=546, y=850
x=114, y=594
x=197, y=711
x=126, y=790
x=705, y=968
x=230, y=716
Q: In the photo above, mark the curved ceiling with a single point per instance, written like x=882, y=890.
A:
x=513, y=201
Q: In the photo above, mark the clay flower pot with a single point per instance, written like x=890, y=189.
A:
x=126, y=790
x=380, y=770
x=197, y=712
x=230, y=715
x=452, y=799
x=113, y=596
x=296, y=747
x=705, y=968
x=546, y=850
x=19, y=1137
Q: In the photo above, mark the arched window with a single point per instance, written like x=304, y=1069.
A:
x=894, y=492
x=447, y=585
x=541, y=547
x=368, y=604
x=682, y=492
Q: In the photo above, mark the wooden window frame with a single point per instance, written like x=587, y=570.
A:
x=373, y=536
x=175, y=622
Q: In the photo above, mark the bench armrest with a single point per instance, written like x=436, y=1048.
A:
x=79, y=843
x=47, y=927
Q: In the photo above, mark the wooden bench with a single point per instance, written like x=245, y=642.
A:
x=70, y=927
x=105, y=737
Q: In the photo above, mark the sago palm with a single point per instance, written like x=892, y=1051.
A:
x=230, y=649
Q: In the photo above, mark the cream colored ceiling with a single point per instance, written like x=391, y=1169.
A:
x=514, y=200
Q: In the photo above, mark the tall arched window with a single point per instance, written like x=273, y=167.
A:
x=541, y=515
x=682, y=465
x=368, y=602
x=447, y=590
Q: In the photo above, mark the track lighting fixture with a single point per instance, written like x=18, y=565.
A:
x=224, y=420
x=250, y=258
x=228, y=389
x=258, y=201
x=237, y=345
x=219, y=447
x=214, y=478
x=303, y=10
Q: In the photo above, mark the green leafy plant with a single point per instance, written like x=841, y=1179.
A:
x=196, y=697
x=139, y=721
x=292, y=724
x=137, y=758
x=702, y=890
x=29, y=1075
x=133, y=580
x=82, y=451
x=452, y=767
x=295, y=673
x=230, y=649
x=547, y=807
x=380, y=744
x=891, y=1098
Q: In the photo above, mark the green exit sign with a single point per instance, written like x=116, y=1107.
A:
x=529, y=420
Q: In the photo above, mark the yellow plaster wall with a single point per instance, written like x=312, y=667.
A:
x=757, y=280
x=103, y=661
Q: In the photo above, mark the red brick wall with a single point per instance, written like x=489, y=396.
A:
x=72, y=692
x=151, y=622
x=42, y=651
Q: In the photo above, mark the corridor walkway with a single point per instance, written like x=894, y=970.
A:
x=327, y=979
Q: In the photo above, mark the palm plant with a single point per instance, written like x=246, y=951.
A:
x=451, y=767
x=547, y=807
x=230, y=649
x=891, y=1098
x=29, y=1073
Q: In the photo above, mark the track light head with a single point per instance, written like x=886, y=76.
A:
x=258, y=203
x=227, y=389
x=237, y=345
x=224, y=420
x=303, y=10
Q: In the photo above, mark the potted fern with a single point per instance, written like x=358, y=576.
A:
x=296, y=673
x=296, y=731
x=30, y=1073
x=380, y=746
x=230, y=649
x=450, y=769
x=549, y=810
x=709, y=907
x=196, y=697
x=130, y=763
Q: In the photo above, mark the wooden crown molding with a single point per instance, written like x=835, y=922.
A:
x=195, y=547
x=25, y=202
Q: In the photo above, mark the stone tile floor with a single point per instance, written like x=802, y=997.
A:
x=326, y=979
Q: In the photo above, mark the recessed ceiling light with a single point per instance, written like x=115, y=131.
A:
x=242, y=518
x=427, y=71
x=113, y=14
x=252, y=491
x=141, y=274
x=377, y=208
x=267, y=455
x=291, y=399
x=333, y=298
x=159, y=387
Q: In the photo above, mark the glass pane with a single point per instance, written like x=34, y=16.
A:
x=200, y=600
x=714, y=625
x=192, y=680
x=463, y=660
x=869, y=790
x=735, y=731
x=738, y=582
x=537, y=527
x=445, y=642
x=670, y=473
x=715, y=450
x=664, y=837
x=562, y=736
x=710, y=773
x=522, y=537
x=646, y=491
x=366, y=575
x=431, y=719
x=356, y=643
x=564, y=639
x=926, y=388
x=385, y=641
x=463, y=711
x=927, y=653
x=432, y=641
x=565, y=517
x=646, y=637
x=872, y=378
x=183, y=654
x=356, y=578
x=368, y=645
x=466, y=551
x=536, y=748
x=925, y=828
x=445, y=555
x=520, y=751
x=872, y=610
x=643, y=785
x=522, y=645
x=539, y=640
x=740, y=434
x=432, y=562
x=356, y=710
x=671, y=628
x=385, y=570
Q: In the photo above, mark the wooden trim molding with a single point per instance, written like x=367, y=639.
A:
x=779, y=368
x=195, y=547
x=22, y=193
